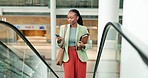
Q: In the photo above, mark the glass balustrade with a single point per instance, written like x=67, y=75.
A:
x=120, y=55
x=18, y=60
x=109, y=65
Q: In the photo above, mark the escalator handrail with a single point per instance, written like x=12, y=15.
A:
x=28, y=43
x=127, y=36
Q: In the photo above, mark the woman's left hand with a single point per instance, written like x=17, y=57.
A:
x=81, y=44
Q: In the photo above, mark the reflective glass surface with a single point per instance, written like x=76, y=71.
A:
x=24, y=2
x=17, y=59
x=120, y=59
x=59, y=3
x=109, y=65
x=77, y=3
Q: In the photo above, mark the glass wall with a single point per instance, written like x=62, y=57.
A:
x=60, y=3
x=121, y=4
x=77, y=3
x=24, y=2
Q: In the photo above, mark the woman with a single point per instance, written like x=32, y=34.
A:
x=74, y=59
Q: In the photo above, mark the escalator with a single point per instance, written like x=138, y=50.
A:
x=20, y=59
x=120, y=54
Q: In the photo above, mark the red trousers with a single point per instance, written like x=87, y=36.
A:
x=74, y=68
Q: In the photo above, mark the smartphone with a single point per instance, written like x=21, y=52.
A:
x=57, y=35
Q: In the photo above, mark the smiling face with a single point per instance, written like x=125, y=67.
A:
x=72, y=18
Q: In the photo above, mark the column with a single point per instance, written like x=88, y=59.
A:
x=108, y=12
x=53, y=28
x=1, y=11
x=1, y=14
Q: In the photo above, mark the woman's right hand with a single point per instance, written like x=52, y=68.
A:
x=59, y=39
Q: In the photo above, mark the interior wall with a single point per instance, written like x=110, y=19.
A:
x=91, y=24
x=135, y=14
